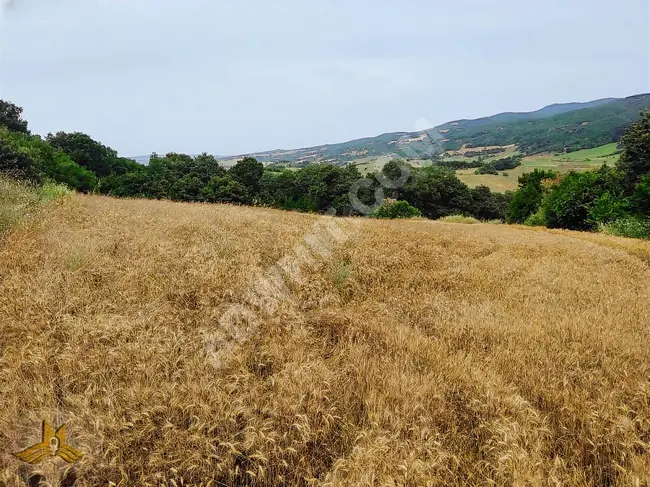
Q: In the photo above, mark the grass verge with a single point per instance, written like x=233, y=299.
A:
x=18, y=200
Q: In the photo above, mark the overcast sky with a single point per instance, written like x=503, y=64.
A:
x=236, y=76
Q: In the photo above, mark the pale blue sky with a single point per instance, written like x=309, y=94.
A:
x=230, y=77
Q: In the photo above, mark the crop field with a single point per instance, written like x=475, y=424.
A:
x=575, y=161
x=195, y=345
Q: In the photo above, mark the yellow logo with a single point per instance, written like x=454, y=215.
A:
x=53, y=445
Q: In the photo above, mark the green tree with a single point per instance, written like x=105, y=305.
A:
x=225, y=190
x=11, y=117
x=395, y=210
x=580, y=200
x=486, y=205
x=640, y=200
x=248, y=172
x=15, y=163
x=528, y=198
x=30, y=157
x=635, y=158
x=437, y=192
x=92, y=155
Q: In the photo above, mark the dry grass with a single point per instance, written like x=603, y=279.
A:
x=19, y=201
x=417, y=354
x=16, y=201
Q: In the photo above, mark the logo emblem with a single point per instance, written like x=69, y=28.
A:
x=53, y=445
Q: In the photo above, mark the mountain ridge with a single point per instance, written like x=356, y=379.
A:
x=609, y=115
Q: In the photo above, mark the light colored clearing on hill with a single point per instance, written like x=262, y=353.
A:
x=411, y=140
x=464, y=150
x=498, y=183
x=417, y=353
x=376, y=164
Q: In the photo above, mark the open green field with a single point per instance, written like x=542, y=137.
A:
x=605, y=154
x=583, y=160
x=375, y=164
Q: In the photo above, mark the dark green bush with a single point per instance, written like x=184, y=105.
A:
x=640, y=200
x=580, y=199
x=608, y=208
x=528, y=198
x=394, y=210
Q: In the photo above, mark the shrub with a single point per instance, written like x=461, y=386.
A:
x=537, y=219
x=529, y=196
x=486, y=169
x=459, y=219
x=570, y=203
x=487, y=205
x=16, y=200
x=635, y=156
x=640, y=200
x=397, y=209
x=630, y=227
x=500, y=165
x=437, y=192
x=52, y=191
x=608, y=208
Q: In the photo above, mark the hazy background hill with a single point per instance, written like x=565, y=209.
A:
x=555, y=128
x=548, y=111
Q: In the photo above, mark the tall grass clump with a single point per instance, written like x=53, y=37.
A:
x=19, y=199
x=630, y=227
x=53, y=191
x=459, y=219
x=16, y=200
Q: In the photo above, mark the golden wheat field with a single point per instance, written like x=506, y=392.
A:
x=358, y=352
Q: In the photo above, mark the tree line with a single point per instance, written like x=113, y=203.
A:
x=615, y=200
x=578, y=200
x=85, y=165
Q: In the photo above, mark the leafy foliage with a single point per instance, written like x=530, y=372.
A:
x=486, y=205
x=581, y=200
x=640, y=199
x=500, y=165
x=629, y=226
x=635, y=159
x=396, y=209
x=11, y=117
x=437, y=192
x=25, y=156
x=92, y=155
x=528, y=198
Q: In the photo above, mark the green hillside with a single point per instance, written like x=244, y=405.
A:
x=556, y=128
x=580, y=129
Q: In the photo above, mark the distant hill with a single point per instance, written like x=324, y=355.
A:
x=545, y=112
x=555, y=128
x=585, y=128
